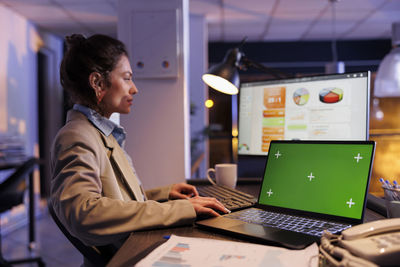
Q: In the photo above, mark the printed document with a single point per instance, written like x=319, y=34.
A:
x=200, y=252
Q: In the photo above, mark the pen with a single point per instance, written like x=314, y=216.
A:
x=392, y=194
x=396, y=193
x=382, y=182
x=388, y=184
x=166, y=237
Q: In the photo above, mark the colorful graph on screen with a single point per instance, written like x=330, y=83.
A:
x=301, y=96
x=273, y=120
x=331, y=95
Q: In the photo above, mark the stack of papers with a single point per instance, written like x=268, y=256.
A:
x=200, y=252
x=12, y=148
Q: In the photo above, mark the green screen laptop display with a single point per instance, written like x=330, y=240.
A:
x=321, y=177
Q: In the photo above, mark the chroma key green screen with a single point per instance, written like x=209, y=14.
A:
x=328, y=178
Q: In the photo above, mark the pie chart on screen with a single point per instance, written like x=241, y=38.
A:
x=331, y=95
x=301, y=96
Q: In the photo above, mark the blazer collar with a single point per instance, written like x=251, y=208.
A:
x=117, y=155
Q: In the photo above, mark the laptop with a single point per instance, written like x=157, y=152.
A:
x=308, y=186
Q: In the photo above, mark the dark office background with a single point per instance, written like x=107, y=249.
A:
x=293, y=58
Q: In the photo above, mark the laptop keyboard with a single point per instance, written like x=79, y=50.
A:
x=232, y=199
x=288, y=222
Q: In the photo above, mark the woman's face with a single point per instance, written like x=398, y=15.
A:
x=119, y=96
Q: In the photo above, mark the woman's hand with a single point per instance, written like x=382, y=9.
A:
x=204, y=206
x=183, y=190
x=207, y=206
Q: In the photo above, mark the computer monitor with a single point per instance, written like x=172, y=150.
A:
x=320, y=107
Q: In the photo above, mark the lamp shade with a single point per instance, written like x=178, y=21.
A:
x=224, y=77
x=387, y=81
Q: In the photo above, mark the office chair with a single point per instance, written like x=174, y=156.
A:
x=12, y=194
x=98, y=256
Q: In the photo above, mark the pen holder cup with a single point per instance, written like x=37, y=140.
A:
x=392, y=200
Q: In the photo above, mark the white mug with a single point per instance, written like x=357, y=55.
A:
x=225, y=174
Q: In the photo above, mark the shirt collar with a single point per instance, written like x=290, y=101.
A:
x=105, y=125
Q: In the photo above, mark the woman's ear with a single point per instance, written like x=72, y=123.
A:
x=96, y=81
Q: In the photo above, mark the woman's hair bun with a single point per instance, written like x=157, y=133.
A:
x=75, y=40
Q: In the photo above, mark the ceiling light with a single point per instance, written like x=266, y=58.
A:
x=387, y=81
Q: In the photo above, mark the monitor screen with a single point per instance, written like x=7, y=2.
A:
x=322, y=107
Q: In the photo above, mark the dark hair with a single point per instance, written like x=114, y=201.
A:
x=98, y=53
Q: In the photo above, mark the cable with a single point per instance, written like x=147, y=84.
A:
x=338, y=256
x=333, y=43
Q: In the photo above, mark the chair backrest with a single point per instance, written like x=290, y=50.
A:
x=91, y=254
x=13, y=187
x=18, y=176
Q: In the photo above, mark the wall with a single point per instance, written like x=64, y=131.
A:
x=18, y=97
x=307, y=56
x=158, y=137
x=19, y=45
x=198, y=95
x=18, y=67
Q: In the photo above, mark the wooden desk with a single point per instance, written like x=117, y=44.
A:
x=139, y=244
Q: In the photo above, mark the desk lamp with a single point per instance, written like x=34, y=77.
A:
x=224, y=77
x=387, y=81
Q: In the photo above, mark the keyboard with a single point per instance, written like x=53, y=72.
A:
x=288, y=222
x=232, y=199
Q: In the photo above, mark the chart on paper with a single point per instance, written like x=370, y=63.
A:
x=200, y=252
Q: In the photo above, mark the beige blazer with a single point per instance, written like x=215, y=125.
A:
x=91, y=191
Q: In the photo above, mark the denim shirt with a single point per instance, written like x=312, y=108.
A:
x=105, y=125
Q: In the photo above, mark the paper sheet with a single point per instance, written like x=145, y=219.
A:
x=200, y=252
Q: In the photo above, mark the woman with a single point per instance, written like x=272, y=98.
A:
x=95, y=191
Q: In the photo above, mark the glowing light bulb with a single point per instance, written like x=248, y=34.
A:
x=234, y=132
x=209, y=103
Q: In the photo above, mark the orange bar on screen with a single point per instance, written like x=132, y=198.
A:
x=274, y=113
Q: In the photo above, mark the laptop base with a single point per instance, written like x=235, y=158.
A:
x=258, y=233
